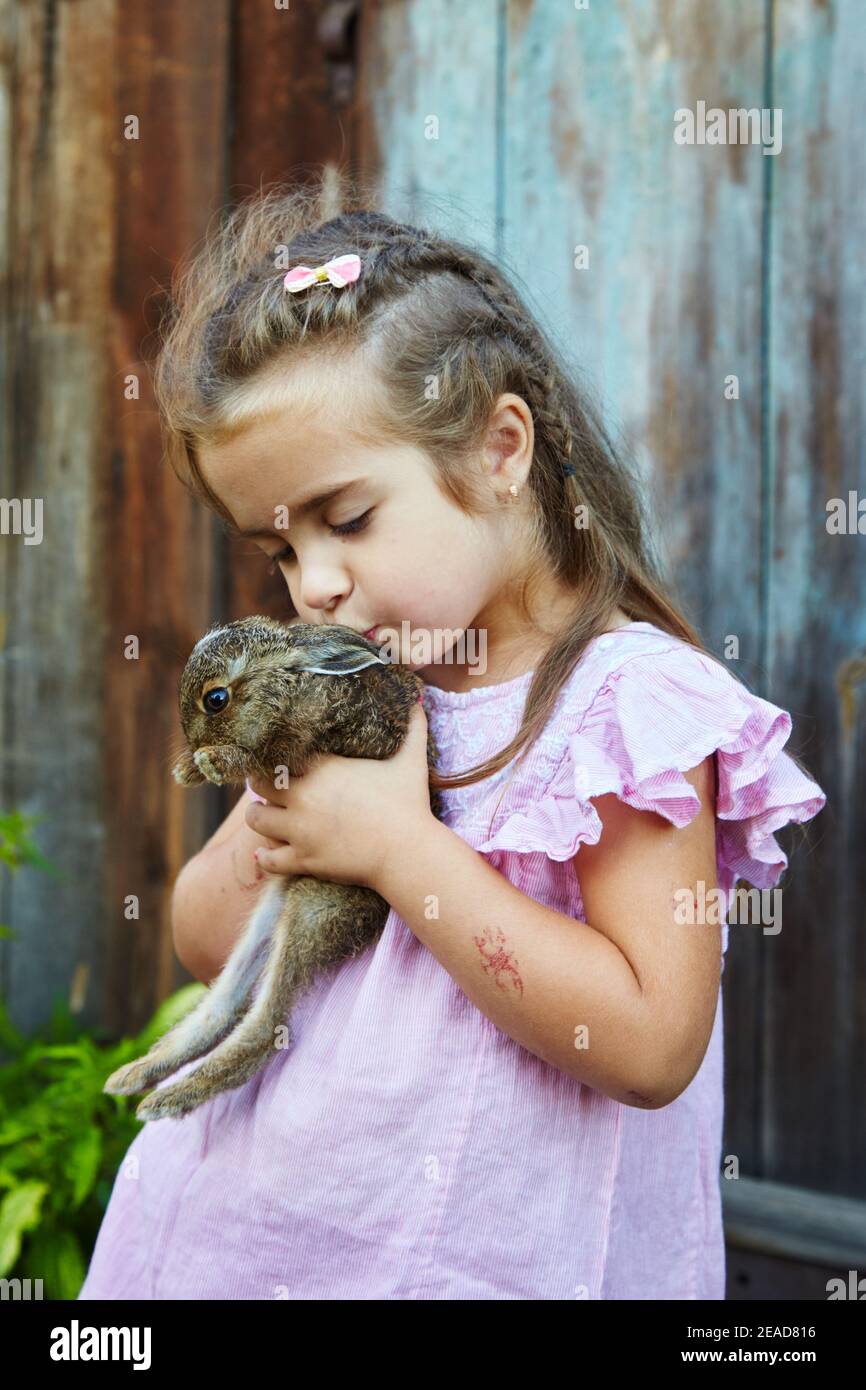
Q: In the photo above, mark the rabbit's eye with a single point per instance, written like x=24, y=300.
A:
x=216, y=699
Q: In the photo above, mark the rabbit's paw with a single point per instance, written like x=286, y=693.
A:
x=222, y=762
x=173, y=1101
x=185, y=771
x=134, y=1076
x=212, y=764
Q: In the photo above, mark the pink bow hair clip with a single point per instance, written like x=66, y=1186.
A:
x=342, y=270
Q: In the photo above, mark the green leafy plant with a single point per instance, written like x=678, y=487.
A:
x=61, y=1139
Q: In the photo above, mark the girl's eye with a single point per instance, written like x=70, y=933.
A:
x=348, y=528
x=358, y=523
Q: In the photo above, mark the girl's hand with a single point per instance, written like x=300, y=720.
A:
x=345, y=816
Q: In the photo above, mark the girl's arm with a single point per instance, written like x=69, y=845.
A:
x=624, y=1002
x=214, y=894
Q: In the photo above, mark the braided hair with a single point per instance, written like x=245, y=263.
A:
x=425, y=311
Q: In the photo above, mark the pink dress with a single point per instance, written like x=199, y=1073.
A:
x=407, y=1148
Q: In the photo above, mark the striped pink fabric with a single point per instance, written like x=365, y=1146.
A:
x=406, y=1148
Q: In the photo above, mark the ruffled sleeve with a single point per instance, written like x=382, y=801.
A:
x=654, y=718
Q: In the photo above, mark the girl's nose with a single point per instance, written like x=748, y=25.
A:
x=325, y=593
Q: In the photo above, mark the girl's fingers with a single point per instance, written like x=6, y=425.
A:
x=264, y=786
x=265, y=821
x=272, y=844
x=275, y=861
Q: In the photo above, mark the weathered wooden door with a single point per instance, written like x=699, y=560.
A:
x=710, y=293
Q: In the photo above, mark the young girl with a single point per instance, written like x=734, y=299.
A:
x=517, y=1092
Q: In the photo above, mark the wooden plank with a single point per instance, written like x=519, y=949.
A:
x=287, y=129
x=814, y=1021
x=57, y=186
x=171, y=66
x=755, y=1278
x=7, y=341
x=429, y=110
x=795, y=1223
x=668, y=307
x=669, y=304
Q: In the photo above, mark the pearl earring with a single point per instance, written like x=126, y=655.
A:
x=513, y=490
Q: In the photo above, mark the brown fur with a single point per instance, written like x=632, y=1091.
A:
x=278, y=714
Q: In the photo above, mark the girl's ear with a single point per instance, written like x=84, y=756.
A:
x=185, y=771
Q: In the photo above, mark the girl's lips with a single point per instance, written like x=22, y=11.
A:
x=371, y=632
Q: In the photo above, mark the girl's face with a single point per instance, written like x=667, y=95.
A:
x=388, y=547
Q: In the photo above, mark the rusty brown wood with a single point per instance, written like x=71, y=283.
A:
x=285, y=127
x=172, y=74
x=57, y=189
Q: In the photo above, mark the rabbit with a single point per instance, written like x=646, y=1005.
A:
x=256, y=696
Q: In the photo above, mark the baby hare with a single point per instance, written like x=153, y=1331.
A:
x=257, y=697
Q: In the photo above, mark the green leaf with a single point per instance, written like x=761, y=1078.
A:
x=19, y=1212
x=84, y=1159
x=58, y=1050
x=14, y=1129
x=16, y=846
x=55, y=1258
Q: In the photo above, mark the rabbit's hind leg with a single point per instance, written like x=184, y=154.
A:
x=217, y=1012
x=321, y=923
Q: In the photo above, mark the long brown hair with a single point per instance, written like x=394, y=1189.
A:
x=425, y=308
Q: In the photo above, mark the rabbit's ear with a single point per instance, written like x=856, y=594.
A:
x=345, y=664
x=186, y=772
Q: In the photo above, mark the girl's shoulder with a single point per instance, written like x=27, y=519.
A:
x=640, y=709
x=627, y=653
x=640, y=678
x=641, y=693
